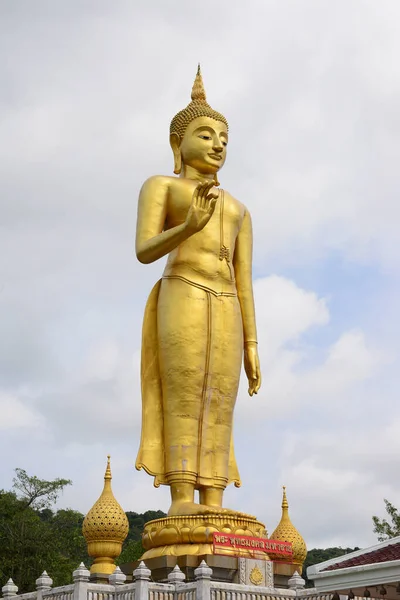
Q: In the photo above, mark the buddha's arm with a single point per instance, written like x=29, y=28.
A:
x=242, y=262
x=152, y=242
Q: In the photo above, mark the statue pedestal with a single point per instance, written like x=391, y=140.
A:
x=192, y=535
x=186, y=541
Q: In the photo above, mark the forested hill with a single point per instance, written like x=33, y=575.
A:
x=138, y=520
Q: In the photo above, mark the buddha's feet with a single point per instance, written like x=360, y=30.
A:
x=191, y=508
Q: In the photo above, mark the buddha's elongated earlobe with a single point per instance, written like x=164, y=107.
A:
x=216, y=179
x=175, y=142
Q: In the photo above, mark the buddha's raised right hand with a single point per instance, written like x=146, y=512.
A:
x=202, y=206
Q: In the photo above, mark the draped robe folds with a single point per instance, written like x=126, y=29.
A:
x=190, y=369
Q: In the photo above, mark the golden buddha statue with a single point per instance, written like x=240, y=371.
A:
x=199, y=320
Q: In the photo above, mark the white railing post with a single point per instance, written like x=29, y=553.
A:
x=203, y=581
x=296, y=582
x=43, y=584
x=142, y=577
x=81, y=581
x=176, y=576
x=117, y=578
x=10, y=589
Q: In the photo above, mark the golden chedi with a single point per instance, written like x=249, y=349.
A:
x=199, y=327
x=105, y=528
x=287, y=532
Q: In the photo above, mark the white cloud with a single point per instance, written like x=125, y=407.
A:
x=102, y=361
x=296, y=373
x=15, y=415
x=285, y=311
x=341, y=478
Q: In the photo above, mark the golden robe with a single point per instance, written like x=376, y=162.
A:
x=191, y=363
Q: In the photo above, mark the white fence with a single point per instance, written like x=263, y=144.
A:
x=203, y=588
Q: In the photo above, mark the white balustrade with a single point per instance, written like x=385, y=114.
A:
x=143, y=588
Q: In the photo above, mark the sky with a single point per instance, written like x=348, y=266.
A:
x=311, y=90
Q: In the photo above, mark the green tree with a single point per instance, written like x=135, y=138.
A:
x=131, y=551
x=137, y=522
x=35, y=492
x=386, y=529
x=68, y=543
x=33, y=538
x=25, y=542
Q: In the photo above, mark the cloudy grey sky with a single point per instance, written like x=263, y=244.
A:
x=311, y=89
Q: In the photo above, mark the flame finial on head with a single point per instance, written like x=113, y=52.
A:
x=198, y=107
x=198, y=91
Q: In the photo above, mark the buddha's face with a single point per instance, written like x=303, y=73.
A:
x=203, y=145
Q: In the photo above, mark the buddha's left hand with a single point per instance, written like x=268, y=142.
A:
x=252, y=367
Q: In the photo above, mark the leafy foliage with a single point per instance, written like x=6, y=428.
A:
x=137, y=522
x=385, y=529
x=132, y=549
x=33, y=538
x=36, y=492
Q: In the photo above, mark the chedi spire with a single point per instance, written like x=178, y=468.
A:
x=287, y=532
x=105, y=528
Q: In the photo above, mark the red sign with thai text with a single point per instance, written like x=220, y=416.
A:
x=227, y=543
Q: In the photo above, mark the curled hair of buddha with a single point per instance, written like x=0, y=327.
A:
x=198, y=107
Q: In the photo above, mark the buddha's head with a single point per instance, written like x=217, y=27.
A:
x=199, y=134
